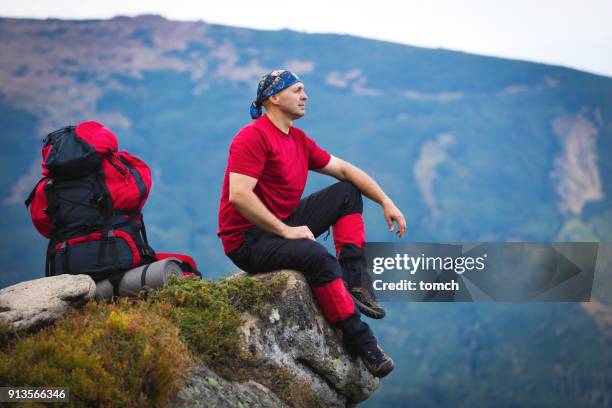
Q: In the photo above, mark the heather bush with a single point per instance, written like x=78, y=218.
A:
x=121, y=354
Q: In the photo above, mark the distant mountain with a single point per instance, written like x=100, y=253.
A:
x=471, y=148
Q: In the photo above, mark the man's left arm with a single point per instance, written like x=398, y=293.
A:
x=343, y=170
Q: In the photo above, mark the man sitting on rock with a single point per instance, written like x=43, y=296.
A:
x=264, y=225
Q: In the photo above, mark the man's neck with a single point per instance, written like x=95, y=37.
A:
x=280, y=120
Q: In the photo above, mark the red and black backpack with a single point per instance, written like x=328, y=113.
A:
x=89, y=204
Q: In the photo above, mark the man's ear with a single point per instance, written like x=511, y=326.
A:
x=273, y=99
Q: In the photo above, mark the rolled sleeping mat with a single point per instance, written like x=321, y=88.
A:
x=153, y=276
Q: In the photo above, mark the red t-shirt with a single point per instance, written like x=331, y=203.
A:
x=279, y=161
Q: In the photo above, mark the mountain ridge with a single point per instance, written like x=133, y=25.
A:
x=470, y=148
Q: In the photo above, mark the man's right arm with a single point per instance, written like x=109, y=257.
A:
x=242, y=197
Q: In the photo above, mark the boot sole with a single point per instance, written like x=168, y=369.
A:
x=384, y=370
x=368, y=311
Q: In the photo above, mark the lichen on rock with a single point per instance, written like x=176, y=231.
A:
x=302, y=342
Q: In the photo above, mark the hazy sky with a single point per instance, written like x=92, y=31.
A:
x=573, y=33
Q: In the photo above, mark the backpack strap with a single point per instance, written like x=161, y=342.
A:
x=52, y=211
x=63, y=251
x=49, y=262
x=109, y=239
x=142, y=189
x=144, y=230
x=143, y=275
x=112, y=242
x=115, y=278
x=105, y=201
x=50, y=258
x=30, y=198
x=139, y=233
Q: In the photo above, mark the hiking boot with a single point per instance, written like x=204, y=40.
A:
x=358, y=282
x=366, y=303
x=376, y=360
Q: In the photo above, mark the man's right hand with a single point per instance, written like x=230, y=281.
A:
x=242, y=197
x=300, y=232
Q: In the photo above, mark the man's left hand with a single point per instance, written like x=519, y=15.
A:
x=393, y=214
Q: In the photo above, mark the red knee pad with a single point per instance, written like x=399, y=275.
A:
x=349, y=229
x=335, y=300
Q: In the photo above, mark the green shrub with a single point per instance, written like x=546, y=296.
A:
x=120, y=354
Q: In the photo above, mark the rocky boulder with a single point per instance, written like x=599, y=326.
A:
x=294, y=335
x=206, y=389
x=32, y=304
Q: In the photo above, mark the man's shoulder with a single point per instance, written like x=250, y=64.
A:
x=250, y=131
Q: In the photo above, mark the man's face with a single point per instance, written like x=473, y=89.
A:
x=292, y=101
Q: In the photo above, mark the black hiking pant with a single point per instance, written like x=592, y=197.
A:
x=263, y=251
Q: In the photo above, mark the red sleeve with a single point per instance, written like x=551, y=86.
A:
x=317, y=157
x=248, y=153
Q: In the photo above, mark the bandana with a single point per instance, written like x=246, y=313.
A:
x=271, y=84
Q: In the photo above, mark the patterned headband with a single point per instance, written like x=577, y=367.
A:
x=271, y=84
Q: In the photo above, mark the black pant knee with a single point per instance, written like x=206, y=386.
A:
x=352, y=201
x=322, y=266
